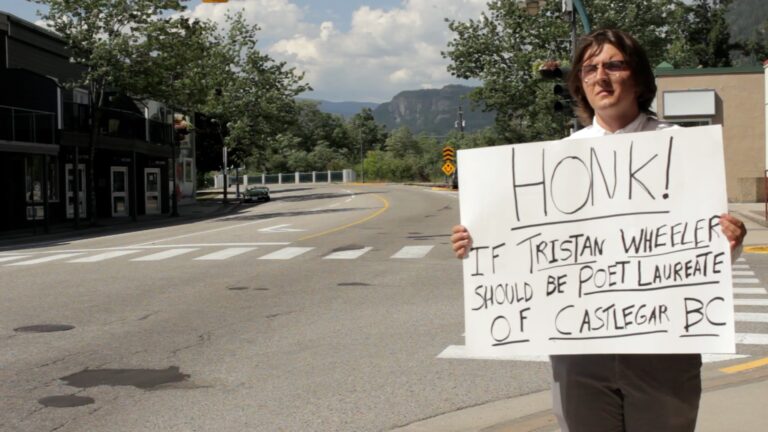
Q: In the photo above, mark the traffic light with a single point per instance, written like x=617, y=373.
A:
x=552, y=71
x=180, y=128
x=563, y=102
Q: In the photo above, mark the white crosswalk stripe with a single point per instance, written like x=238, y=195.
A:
x=225, y=254
x=348, y=254
x=45, y=259
x=286, y=253
x=742, y=273
x=165, y=254
x=752, y=338
x=750, y=302
x=412, y=252
x=740, y=266
x=738, y=281
x=751, y=317
x=103, y=256
x=759, y=291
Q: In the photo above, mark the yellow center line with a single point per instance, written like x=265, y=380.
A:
x=365, y=219
x=756, y=249
x=746, y=366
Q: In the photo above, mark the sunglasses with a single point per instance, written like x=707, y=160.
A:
x=613, y=67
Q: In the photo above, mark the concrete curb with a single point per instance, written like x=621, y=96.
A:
x=530, y=412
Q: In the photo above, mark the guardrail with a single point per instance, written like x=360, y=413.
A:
x=344, y=176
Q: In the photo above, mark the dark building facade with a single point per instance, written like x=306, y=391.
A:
x=45, y=140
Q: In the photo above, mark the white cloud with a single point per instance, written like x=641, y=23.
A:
x=277, y=18
x=382, y=53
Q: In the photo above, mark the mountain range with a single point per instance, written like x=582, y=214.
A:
x=430, y=111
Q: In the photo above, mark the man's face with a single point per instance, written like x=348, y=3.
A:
x=608, y=83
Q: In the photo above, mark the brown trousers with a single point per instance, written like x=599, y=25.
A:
x=626, y=392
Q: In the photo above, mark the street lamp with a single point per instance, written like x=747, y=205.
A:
x=223, y=154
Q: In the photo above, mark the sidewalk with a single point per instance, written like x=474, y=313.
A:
x=731, y=402
x=204, y=208
x=726, y=408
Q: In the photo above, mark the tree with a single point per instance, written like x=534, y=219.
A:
x=402, y=142
x=103, y=36
x=500, y=49
x=503, y=48
x=253, y=94
x=755, y=48
x=706, y=33
x=365, y=132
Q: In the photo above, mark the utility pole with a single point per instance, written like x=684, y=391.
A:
x=224, y=173
x=174, y=144
x=460, y=124
x=76, y=185
x=362, y=163
x=571, y=8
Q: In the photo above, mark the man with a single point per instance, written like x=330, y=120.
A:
x=613, y=85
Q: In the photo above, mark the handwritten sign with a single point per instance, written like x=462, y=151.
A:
x=606, y=245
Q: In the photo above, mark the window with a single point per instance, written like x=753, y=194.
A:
x=34, y=177
x=53, y=179
x=188, y=174
x=80, y=96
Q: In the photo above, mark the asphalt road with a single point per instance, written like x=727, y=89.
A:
x=322, y=310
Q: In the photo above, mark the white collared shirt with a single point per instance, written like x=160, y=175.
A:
x=642, y=123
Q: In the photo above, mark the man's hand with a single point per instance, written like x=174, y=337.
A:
x=734, y=230
x=461, y=241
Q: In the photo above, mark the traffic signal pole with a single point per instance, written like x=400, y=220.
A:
x=572, y=7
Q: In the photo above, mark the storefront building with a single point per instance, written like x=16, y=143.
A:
x=45, y=143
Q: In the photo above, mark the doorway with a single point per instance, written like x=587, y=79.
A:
x=119, y=176
x=152, y=190
x=70, y=188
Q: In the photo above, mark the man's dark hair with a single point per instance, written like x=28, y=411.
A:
x=637, y=61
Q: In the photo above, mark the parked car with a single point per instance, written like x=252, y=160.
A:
x=255, y=194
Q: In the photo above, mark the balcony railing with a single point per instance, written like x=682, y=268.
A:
x=117, y=123
x=24, y=125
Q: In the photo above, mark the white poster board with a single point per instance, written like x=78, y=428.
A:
x=603, y=245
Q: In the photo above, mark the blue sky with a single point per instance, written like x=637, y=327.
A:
x=349, y=50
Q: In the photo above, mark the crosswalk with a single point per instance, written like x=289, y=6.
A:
x=746, y=297
x=9, y=259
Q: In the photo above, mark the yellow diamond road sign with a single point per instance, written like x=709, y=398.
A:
x=448, y=168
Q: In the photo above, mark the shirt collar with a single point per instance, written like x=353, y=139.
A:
x=635, y=125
